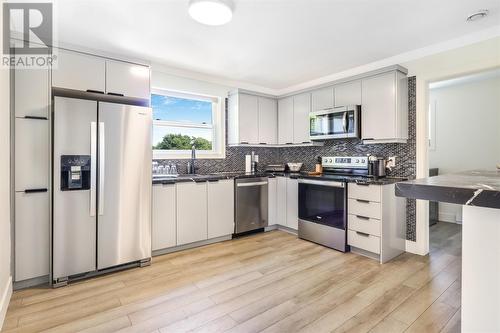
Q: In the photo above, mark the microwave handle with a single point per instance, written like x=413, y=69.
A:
x=344, y=122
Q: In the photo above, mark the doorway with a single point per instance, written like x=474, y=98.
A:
x=464, y=134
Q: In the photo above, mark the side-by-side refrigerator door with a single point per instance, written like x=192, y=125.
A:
x=75, y=162
x=124, y=195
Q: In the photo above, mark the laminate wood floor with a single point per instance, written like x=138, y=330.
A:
x=271, y=282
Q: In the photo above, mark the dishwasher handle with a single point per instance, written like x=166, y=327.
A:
x=251, y=184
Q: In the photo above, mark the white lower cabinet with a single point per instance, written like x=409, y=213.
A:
x=31, y=235
x=191, y=212
x=163, y=231
x=283, y=202
x=376, y=221
x=292, y=203
x=220, y=208
x=272, y=200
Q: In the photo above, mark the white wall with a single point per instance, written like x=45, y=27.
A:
x=5, y=259
x=467, y=131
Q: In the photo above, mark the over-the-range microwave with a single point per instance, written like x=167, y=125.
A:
x=337, y=123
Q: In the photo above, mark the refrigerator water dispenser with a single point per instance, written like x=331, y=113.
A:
x=75, y=172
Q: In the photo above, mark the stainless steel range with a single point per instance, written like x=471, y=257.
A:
x=323, y=201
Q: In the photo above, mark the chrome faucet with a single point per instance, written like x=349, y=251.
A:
x=191, y=165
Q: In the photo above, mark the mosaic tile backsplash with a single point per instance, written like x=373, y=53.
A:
x=405, y=162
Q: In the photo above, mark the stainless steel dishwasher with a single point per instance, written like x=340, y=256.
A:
x=250, y=204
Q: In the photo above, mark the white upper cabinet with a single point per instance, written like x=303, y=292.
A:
x=301, y=110
x=268, y=121
x=322, y=99
x=285, y=120
x=220, y=208
x=127, y=79
x=35, y=84
x=252, y=119
x=384, y=110
x=348, y=93
x=79, y=71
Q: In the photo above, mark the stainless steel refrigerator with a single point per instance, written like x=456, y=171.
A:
x=101, y=186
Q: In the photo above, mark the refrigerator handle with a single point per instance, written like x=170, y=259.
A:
x=101, y=168
x=93, y=161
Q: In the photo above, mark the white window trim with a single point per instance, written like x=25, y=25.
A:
x=218, y=127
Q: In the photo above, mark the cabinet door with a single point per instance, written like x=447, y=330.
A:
x=281, y=200
x=292, y=203
x=191, y=212
x=248, y=115
x=301, y=110
x=127, y=79
x=348, y=94
x=220, y=208
x=322, y=99
x=31, y=235
x=36, y=85
x=31, y=154
x=285, y=121
x=163, y=231
x=79, y=71
x=378, y=120
x=272, y=188
x=268, y=121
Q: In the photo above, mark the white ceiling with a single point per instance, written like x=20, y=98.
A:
x=273, y=44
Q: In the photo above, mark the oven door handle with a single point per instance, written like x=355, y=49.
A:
x=322, y=183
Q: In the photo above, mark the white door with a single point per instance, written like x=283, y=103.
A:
x=281, y=200
x=220, y=208
x=292, y=203
x=268, y=121
x=272, y=187
x=36, y=85
x=248, y=114
x=32, y=235
x=348, y=93
x=322, y=99
x=163, y=231
x=378, y=120
x=191, y=212
x=31, y=154
x=79, y=71
x=123, y=78
x=301, y=110
x=285, y=121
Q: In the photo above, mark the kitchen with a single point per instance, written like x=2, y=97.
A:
x=254, y=210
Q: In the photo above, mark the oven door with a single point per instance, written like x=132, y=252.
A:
x=339, y=123
x=323, y=202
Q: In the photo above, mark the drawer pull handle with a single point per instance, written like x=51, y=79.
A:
x=35, y=190
x=362, y=217
x=362, y=201
x=95, y=91
x=362, y=183
x=115, y=94
x=363, y=234
x=35, y=118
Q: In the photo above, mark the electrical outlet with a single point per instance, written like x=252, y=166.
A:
x=391, y=163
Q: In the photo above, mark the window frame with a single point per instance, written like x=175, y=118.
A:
x=217, y=126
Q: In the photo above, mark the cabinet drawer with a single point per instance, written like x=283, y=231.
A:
x=364, y=192
x=364, y=224
x=364, y=208
x=363, y=241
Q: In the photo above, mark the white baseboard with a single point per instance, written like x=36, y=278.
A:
x=413, y=247
x=4, y=301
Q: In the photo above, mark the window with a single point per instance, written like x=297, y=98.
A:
x=181, y=120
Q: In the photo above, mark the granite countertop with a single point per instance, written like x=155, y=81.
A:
x=474, y=188
x=293, y=175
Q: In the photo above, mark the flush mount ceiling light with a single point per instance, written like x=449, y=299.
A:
x=211, y=12
x=477, y=15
